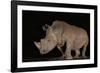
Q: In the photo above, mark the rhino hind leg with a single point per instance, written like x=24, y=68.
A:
x=84, y=51
x=77, y=53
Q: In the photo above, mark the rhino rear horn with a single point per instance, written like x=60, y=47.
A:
x=45, y=27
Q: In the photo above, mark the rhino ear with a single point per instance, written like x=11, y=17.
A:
x=37, y=44
x=41, y=40
x=51, y=29
x=45, y=27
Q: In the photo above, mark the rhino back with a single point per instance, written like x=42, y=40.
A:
x=66, y=32
x=59, y=27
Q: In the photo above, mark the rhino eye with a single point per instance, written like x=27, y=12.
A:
x=43, y=50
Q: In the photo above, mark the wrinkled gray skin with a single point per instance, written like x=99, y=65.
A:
x=61, y=32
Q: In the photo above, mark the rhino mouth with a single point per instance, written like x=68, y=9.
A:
x=43, y=52
x=38, y=45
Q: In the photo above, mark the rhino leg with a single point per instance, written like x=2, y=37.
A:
x=59, y=45
x=68, y=51
x=84, y=51
x=77, y=53
x=60, y=51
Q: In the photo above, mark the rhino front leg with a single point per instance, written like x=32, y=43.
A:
x=68, y=51
x=60, y=51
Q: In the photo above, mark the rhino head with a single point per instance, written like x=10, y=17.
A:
x=48, y=43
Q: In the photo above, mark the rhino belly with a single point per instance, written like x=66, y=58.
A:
x=79, y=42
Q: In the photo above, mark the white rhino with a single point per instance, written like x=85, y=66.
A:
x=60, y=33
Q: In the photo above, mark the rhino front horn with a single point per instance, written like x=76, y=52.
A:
x=37, y=44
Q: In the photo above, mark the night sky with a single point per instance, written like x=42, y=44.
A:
x=32, y=31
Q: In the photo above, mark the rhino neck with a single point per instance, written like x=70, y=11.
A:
x=54, y=37
x=53, y=43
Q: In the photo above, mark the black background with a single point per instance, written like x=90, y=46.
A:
x=32, y=31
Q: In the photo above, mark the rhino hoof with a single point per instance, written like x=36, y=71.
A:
x=76, y=57
x=68, y=58
x=63, y=56
x=84, y=57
